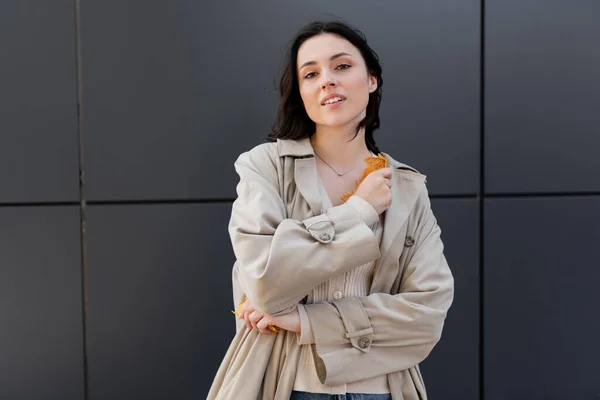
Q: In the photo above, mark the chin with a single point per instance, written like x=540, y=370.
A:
x=336, y=121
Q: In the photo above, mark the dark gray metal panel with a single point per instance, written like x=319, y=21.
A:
x=174, y=92
x=452, y=369
x=41, y=334
x=38, y=104
x=541, y=324
x=159, y=299
x=430, y=107
x=542, y=70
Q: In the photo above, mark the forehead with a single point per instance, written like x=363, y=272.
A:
x=319, y=48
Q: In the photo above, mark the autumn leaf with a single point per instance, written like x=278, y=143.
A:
x=373, y=164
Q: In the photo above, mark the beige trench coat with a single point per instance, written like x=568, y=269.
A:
x=285, y=246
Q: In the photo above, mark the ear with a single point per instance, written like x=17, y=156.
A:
x=372, y=83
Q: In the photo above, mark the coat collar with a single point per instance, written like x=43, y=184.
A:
x=303, y=148
x=295, y=148
x=407, y=185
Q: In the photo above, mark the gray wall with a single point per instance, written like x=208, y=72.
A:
x=117, y=286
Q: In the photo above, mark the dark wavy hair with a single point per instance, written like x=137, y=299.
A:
x=292, y=121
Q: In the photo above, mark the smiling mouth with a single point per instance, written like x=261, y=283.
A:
x=333, y=100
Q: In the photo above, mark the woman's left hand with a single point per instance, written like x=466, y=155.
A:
x=289, y=322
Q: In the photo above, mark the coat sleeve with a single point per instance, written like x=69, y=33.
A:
x=358, y=338
x=280, y=260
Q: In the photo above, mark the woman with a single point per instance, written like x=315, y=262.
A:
x=352, y=277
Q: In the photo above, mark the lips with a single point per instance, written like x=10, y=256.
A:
x=332, y=99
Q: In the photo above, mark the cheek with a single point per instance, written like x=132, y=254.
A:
x=360, y=92
x=310, y=98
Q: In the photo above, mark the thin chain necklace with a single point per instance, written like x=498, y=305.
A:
x=334, y=170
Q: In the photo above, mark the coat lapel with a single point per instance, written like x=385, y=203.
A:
x=406, y=188
x=305, y=170
x=306, y=175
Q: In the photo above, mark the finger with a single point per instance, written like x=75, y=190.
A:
x=386, y=172
x=247, y=312
x=254, y=317
x=266, y=331
x=388, y=182
x=263, y=324
x=248, y=309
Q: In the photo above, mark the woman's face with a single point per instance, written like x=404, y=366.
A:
x=333, y=80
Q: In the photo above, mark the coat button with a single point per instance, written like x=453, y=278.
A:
x=409, y=241
x=338, y=295
x=364, y=342
x=325, y=237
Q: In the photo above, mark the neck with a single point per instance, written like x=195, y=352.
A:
x=336, y=147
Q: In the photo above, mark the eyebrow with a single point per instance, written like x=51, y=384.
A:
x=333, y=57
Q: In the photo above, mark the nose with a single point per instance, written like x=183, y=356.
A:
x=328, y=82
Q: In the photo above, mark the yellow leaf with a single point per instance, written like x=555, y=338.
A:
x=373, y=164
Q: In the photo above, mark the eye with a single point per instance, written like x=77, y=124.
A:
x=343, y=66
x=309, y=75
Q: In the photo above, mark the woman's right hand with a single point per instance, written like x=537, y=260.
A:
x=376, y=189
x=252, y=317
